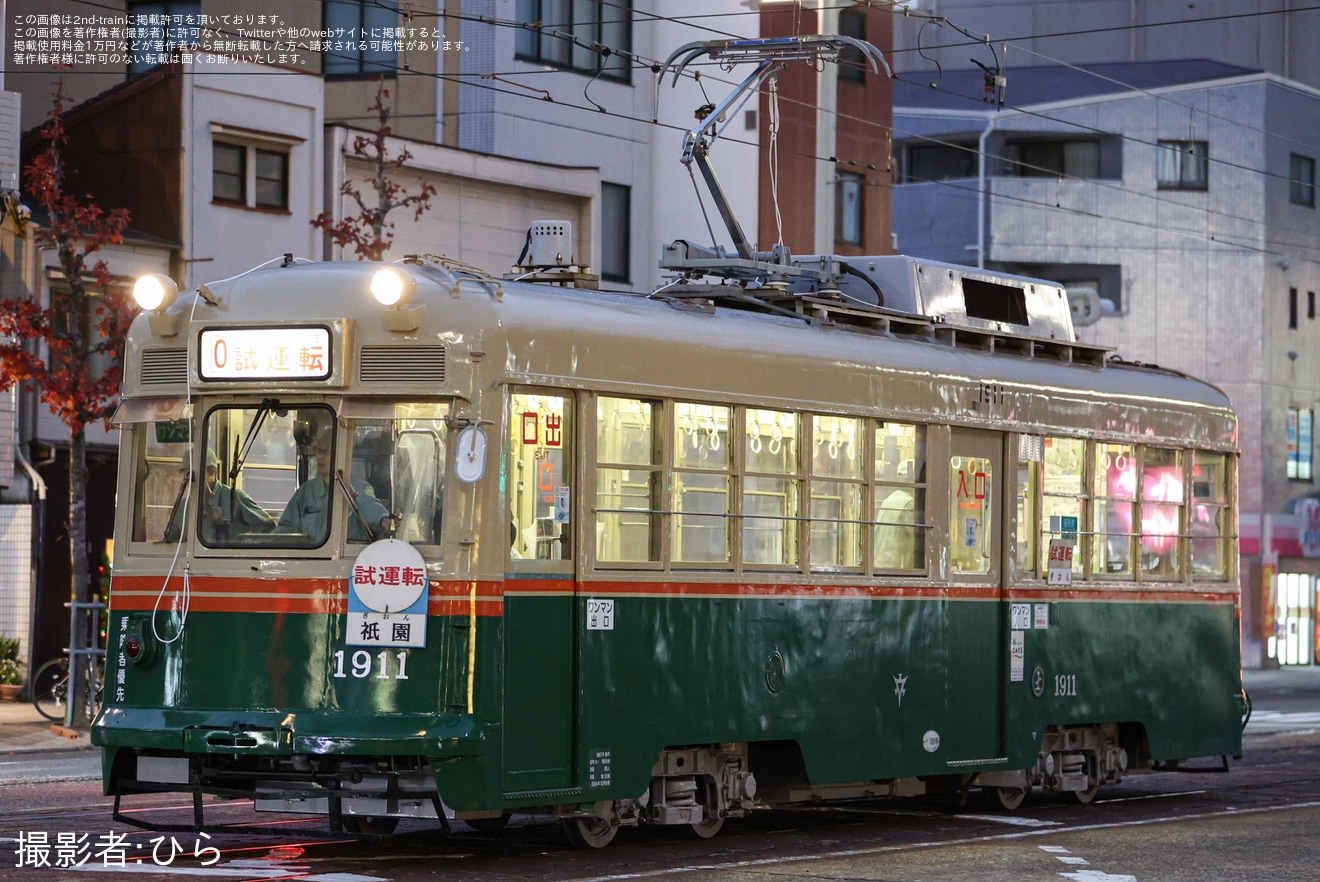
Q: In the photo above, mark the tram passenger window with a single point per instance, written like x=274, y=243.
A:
x=837, y=490
x=1115, y=489
x=771, y=488
x=160, y=452
x=540, y=475
x=702, y=479
x=1161, y=513
x=1030, y=453
x=627, y=480
x=899, y=497
x=1064, y=499
x=1211, y=518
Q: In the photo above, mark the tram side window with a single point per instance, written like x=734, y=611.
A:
x=160, y=451
x=1211, y=516
x=1031, y=451
x=1115, y=490
x=771, y=488
x=401, y=462
x=627, y=480
x=539, y=476
x=702, y=484
x=838, y=476
x=1064, y=498
x=1161, y=513
x=899, y=497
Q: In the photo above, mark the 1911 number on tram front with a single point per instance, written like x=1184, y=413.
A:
x=361, y=665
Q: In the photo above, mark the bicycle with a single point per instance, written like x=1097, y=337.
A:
x=50, y=687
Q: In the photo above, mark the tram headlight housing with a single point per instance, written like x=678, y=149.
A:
x=156, y=293
x=393, y=288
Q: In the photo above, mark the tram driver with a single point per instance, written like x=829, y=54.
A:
x=228, y=512
x=308, y=511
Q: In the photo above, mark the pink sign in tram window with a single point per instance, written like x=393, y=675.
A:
x=1162, y=496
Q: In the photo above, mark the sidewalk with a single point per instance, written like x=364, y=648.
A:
x=23, y=729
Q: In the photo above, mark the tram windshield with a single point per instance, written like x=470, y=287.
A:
x=281, y=476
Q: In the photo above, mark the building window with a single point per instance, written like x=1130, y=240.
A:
x=250, y=176
x=272, y=173
x=848, y=208
x=1052, y=159
x=852, y=63
x=1310, y=304
x=1292, y=309
x=1300, y=421
x=935, y=162
x=228, y=173
x=1301, y=180
x=1182, y=165
x=160, y=27
x=368, y=54
x=615, y=232
x=592, y=36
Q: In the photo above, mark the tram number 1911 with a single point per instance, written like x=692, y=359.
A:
x=1065, y=685
x=361, y=665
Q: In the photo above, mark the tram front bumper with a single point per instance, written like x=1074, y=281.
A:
x=314, y=733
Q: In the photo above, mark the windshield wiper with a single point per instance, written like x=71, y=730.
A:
x=352, y=504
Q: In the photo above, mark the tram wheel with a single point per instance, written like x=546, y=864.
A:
x=589, y=832
x=1007, y=798
x=490, y=825
x=705, y=829
x=1087, y=796
x=368, y=825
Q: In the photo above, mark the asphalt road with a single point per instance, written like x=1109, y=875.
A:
x=1256, y=822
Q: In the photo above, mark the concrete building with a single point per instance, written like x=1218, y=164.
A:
x=1274, y=36
x=1183, y=195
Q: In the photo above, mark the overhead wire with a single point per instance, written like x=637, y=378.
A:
x=895, y=6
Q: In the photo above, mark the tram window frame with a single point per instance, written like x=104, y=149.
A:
x=1030, y=459
x=889, y=482
x=682, y=469
x=552, y=542
x=1054, y=472
x=610, y=515
x=322, y=431
x=141, y=465
x=765, y=474
x=841, y=536
x=1153, y=507
x=403, y=420
x=1217, y=505
x=1108, y=504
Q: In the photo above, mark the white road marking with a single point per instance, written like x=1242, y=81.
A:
x=1012, y=820
x=1073, y=859
x=270, y=871
x=1274, y=721
x=1097, y=876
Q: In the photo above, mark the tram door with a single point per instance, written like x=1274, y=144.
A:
x=539, y=709
x=976, y=634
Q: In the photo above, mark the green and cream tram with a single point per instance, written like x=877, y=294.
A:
x=506, y=546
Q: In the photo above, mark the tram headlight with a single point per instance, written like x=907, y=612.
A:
x=155, y=292
x=391, y=287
